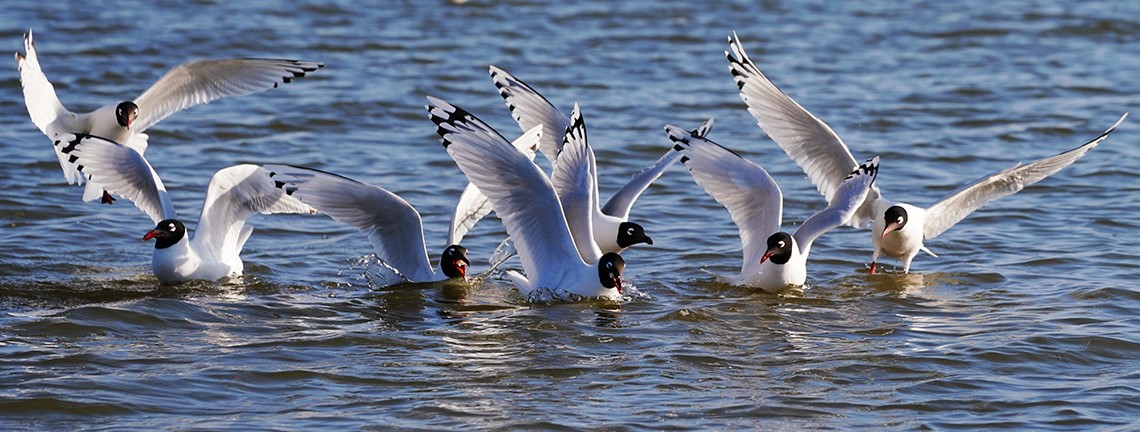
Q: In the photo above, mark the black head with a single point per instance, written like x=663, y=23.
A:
x=167, y=233
x=779, y=248
x=630, y=234
x=610, y=267
x=454, y=262
x=126, y=113
x=896, y=218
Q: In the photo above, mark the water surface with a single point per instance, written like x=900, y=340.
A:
x=1027, y=321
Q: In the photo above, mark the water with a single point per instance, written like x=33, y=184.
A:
x=1027, y=321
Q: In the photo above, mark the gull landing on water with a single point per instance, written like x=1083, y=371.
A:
x=234, y=194
x=187, y=85
x=773, y=260
x=897, y=229
x=524, y=199
x=393, y=226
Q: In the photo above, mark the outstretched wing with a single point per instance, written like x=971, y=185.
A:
x=530, y=109
x=521, y=194
x=121, y=171
x=807, y=140
x=958, y=204
x=391, y=224
x=202, y=81
x=235, y=193
x=751, y=195
x=43, y=104
x=473, y=205
x=39, y=94
x=621, y=203
x=576, y=185
x=843, y=206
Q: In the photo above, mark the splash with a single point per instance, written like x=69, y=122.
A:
x=371, y=272
x=505, y=251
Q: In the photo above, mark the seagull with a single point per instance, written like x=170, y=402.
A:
x=234, y=194
x=773, y=260
x=897, y=229
x=189, y=84
x=524, y=199
x=575, y=181
x=473, y=205
x=613, y=232
x=393, y=226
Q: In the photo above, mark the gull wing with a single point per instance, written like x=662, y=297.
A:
x=393, y=226
x=121, y=171
x=958, y=204
x=751, y=195
x=202, y=81
x=807, y=140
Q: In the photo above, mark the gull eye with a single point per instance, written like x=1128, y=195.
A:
x=629, y=231
x=781, y=244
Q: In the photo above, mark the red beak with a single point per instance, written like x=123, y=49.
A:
x=151, y=234
x=765, y=257
x=462, y=267
x=617, y=283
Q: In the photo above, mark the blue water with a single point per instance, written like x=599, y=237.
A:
x=1026, y=321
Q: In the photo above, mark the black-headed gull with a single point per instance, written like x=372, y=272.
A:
x=773, y=260
x=234, y=194
x=575, y=180
x=524, y=199
x=612, y=228
x=189, y=84
x=393, y=226
x=898, y=229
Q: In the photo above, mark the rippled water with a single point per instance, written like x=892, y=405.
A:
x=1027, y=321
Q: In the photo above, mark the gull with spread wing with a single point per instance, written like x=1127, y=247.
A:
x=393, y=226
x=897, y=229
x=773, y=260
x=187, y=85
x=234, y=194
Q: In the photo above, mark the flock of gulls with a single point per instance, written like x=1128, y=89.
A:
x=567, y=240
